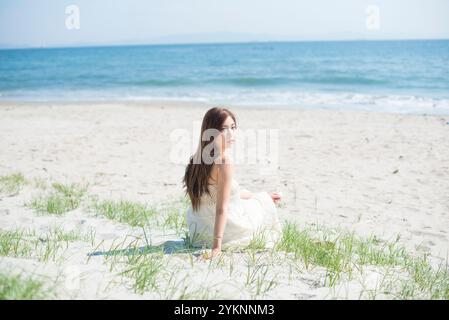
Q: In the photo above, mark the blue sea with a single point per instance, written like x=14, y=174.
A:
x=392, y=76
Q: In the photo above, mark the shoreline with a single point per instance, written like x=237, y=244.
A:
x=202, y=104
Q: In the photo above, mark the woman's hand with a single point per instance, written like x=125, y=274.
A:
x=276, y=197
x=245, y=194
x=207, y=255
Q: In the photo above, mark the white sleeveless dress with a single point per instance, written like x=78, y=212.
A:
x=247, y=219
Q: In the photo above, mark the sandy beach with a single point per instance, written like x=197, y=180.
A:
x=374, y=174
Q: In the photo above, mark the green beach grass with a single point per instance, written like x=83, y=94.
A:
x=133, y=213
x=343, y=254
x=12, y=184
x=61, y=199
x=16, y=287
x=168, y=216
x=43, y=247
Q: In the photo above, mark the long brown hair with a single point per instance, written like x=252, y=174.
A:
x=198, y=171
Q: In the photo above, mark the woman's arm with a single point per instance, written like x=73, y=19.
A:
x=225, y=170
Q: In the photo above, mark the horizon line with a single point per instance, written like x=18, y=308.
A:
x=99, y=45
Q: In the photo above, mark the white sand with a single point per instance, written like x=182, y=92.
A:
x=372, y=173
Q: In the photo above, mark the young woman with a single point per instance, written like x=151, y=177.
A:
x=221, y=213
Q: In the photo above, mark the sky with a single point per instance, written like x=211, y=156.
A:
x=46, y=23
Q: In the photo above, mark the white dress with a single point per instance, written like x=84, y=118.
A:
x=247, y=219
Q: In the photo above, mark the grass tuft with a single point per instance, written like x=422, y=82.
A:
x=173, y=216
x=20, y=288
x=43, y=247
x=143, y=269
x=133, y=213
x=61, y=199
x=12, y=184
x=343, y=254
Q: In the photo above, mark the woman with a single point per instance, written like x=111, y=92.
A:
x=221, y=213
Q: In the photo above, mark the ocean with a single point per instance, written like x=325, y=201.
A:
x=391, y=76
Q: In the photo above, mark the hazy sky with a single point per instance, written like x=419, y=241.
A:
x=43, y=22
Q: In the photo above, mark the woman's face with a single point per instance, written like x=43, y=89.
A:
x=227, y=132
